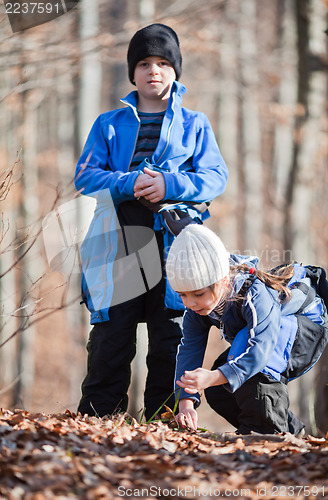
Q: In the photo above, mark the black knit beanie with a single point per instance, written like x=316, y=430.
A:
x=154, y=40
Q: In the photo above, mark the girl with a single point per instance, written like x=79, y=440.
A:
x=263, y=320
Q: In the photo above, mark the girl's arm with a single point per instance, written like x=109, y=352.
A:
x=199, y=379
x=191, y=350
x=262, y=312
x=192, y=382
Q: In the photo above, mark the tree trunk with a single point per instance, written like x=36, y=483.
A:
x=284, y=113
x=90, y=81
x=28, y=270
x=8, y=373
x=229, y=220
x=301, y=191
x=302, y=26
x=250, y=148
x=75, y=317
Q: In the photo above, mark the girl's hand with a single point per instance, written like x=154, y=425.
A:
x=199, y=379
x=150, y=185
x=187, y=416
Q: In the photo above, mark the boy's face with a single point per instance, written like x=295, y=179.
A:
x=153, y=77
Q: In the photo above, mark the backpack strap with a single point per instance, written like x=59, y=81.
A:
x=309, y=293
x=242, y=294
x=319, y=281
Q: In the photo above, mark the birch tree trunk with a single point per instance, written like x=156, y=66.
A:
x=75, y=317
x=8, y=365
x=146, y=11
x=29, y=269
x=89, y=108
x=8, y=373
x=90, y=81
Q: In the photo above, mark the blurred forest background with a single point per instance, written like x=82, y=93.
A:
x=257, y=68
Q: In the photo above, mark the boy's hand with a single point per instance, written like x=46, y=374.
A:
x=199, y=379
x=187, y=416
x=150, y=185
x=140, y=183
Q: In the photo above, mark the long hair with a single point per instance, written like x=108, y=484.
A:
x=276, y=278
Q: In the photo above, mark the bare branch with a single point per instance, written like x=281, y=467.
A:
x=6, y=179
x=27, y=324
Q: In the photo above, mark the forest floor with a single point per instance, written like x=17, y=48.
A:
x=69, y=456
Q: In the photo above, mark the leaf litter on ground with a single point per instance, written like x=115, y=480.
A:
x=73, y=456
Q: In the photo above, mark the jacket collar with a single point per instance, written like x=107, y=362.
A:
x=177, y=88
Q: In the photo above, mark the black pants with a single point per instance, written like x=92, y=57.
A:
x=112, y=347
x=261, y=404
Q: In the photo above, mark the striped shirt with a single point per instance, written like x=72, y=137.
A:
x=150, y=129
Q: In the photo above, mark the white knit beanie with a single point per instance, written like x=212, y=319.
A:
x=197, y=259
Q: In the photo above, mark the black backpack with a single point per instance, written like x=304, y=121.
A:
x=311, y=338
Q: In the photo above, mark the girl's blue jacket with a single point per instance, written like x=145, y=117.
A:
x=187, y=154
x=261, y=331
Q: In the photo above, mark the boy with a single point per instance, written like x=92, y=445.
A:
x=185, y=166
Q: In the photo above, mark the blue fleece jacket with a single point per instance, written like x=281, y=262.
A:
x=187, y=154
x=193, y=167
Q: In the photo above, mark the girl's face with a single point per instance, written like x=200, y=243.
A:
x=203, y=301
